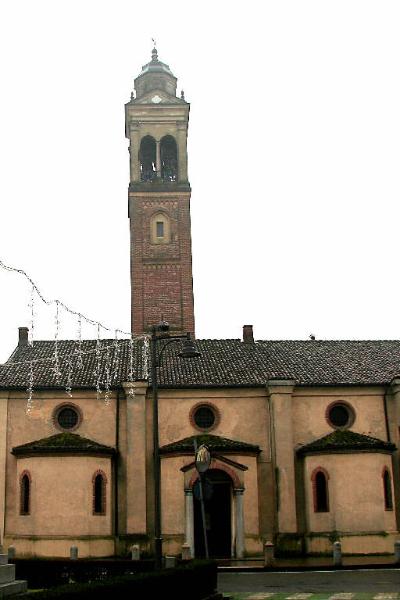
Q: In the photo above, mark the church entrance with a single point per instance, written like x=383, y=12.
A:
x=217, y=489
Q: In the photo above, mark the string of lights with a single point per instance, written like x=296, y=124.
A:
x=78, y=353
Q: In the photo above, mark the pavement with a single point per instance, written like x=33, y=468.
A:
x=311, y=578
x=357, y=584
x=322, y=596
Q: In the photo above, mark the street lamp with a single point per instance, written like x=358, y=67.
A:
x=202, y=463
x=160, y=333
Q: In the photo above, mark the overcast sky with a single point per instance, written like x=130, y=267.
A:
x=294, y=160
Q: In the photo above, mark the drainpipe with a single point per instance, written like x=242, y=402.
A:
x=116, y=465
x=385, y=410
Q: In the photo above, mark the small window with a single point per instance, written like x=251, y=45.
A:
x=320, y=490
x=340, y=415
x=67, y=417
x=160, y=229
x=387, y=489
x=204, y=416
x=25, y=494
x=99, y=493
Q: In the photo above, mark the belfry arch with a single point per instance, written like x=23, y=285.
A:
x=148, y=158
x=169, y=158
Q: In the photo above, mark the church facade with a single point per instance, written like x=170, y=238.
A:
x=303, y=435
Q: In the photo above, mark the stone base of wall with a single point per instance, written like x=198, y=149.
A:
x=352, y=542
x=59, y=547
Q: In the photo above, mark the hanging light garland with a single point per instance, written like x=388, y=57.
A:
x=75, y=359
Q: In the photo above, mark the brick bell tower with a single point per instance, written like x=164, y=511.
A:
x=156, y=124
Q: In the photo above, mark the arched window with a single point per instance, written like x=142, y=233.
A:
x=25, y=493
x=387, y=489
x=320, y=490
x=160, y=231
x=99, y=493
x=169, y=159
x=147, y=158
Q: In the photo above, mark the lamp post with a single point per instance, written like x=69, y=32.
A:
x=159, y=333
x=202, y=463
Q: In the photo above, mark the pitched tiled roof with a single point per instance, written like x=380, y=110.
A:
x=344, y=441
x=222, y=363
x=63, y=443
x=214, y=442
x=114, y=360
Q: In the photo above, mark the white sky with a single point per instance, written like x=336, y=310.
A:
x=293, y=160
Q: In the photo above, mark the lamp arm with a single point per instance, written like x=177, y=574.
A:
x=167, y=342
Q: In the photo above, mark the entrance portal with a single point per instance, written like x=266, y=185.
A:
x=217, y=487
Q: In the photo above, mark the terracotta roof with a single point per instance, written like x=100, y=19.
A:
x=214, y=442
x=345, y=441
x=63, y=443
x=222, y=363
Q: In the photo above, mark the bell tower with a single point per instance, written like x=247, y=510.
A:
x=156, y=124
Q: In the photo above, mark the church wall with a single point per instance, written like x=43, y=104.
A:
x=174, y=482
x=235, y=408
x=243, y=415
x=357, y=514
x=61, y=502
x=55, y=477
x=98, y=419
x=310, y=405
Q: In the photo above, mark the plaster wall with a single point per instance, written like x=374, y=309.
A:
x=356, y=500
x=98, y=424
x=61, y=497
x=310, y=405
x=243, y=415
x=98, y=419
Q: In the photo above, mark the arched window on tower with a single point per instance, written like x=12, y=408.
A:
x=25, y=494
x=147, y=158
x=320, y=490
x=99, y=493
x=387, y=489
x=160, y=229
x=169, y=159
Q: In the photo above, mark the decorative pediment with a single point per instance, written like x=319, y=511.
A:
x=63, y=443
x=343, y=441
x=214, y=442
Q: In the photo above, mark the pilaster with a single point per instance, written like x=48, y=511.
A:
x=280, y=398
x=134, y=139
x=238, y=493
x=135, y=394
x=182, y=151
x=392, y=400
x=189, y=520
x=3, y=459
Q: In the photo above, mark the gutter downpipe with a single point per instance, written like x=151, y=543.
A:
x=116, y=468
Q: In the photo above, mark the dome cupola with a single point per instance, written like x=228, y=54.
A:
x=155, y=75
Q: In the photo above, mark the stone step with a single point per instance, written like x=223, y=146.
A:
x=7, y=573
x=13, y=588
x=3, y=559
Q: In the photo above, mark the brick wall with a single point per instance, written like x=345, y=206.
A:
x=161, y=274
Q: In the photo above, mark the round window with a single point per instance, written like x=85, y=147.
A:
x=340, y=415
x=67, y=417
x=204, y=416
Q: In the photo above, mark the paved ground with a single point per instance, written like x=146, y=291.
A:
x=382, y=584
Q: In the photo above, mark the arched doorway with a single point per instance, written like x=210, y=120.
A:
x=217, y=489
